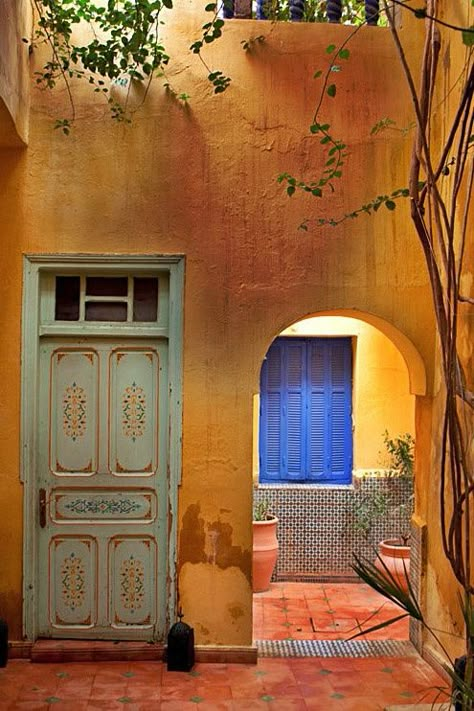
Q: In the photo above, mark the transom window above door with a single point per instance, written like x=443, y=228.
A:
x=106, y=298
x=306, y=411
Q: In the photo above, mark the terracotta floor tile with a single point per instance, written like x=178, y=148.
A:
x=214, y=692
x=109, y=705
x=29, y=706
x=70, y=704
x=144, y=692
x=288, y=704
x=250, y=704
x=174, y=705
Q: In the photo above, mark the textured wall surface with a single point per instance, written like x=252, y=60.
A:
x=200, y=180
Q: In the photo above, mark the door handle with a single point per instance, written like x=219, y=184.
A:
x=42, y=508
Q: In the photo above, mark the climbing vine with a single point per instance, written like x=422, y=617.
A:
x=122, y=45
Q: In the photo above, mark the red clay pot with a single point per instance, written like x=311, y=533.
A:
x=396, y=556
x=265, y=553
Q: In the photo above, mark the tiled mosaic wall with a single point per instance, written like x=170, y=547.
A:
x=316, y=527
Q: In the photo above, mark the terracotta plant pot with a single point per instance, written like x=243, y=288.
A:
x=265, y=553
x=396, y=556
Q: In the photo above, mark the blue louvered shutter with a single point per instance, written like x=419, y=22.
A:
x=272, y=385
x=294, y=410
x=340, y=414
x=306, y=422
x=317, y=411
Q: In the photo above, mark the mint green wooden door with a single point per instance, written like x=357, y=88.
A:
x=102, y=488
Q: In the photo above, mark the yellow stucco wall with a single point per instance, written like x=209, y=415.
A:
x=200, y=180
x=441, y=589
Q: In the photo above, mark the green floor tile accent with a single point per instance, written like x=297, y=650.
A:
x=336, y=695
x=268, y=698
x=62, y=675
x=407, y=694
x=260, y=673
x=387, y=670
x=128, y=674
x=194, y=673
x=52, y=700
x=325, y=671
x=196, y=699
x=125, y=700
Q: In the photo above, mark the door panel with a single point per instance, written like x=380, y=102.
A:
x=102, y=559
x=133, y=412
x=132, y=581
x=73, y=408
x=73, y=565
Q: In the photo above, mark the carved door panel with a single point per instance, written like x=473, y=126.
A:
x=102, y=489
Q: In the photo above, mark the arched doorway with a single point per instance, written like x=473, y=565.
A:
x=347, y=378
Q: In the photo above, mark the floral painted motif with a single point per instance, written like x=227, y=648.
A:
x=133, y=411
x=102, y=506
x=73, y=581
x=132, y=583
x=74, y=411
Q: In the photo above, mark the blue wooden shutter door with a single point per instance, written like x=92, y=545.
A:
x=271, y=414
x=340, y=419
x=305, y=423
x=294, y=420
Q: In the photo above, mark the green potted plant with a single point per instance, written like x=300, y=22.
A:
x=391, y=501
x=265, y=545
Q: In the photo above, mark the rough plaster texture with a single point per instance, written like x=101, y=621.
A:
x=200, y=180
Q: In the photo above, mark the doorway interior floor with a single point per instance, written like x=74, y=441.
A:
x=369, y=683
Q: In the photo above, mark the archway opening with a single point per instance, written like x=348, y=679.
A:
x=333, y=389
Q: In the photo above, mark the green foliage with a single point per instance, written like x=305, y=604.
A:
x=401, y=453
x=125, y=40
x=123, y=46
x=394, y=497
x=382, y=125
x=261, y=510
x=468, y=36
x=252, y=42
x=314, y=11
x=380, y=578
x=367, y=507
x=219, y=81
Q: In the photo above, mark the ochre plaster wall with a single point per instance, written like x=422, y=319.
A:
x=200, y=180
x=440, y=587
x=15, y=24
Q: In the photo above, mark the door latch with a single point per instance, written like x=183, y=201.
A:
x=42, y=508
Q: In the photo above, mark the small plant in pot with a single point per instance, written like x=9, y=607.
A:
x=265, y=545
x=389, y=500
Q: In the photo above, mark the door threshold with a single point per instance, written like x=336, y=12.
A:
x=75, y=650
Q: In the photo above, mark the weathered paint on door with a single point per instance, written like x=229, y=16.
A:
x=102, y=488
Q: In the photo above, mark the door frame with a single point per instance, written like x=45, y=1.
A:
x=34, y=265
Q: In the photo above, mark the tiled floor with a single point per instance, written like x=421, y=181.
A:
x=323, y=611
x=345, y=684
x=273, y=684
